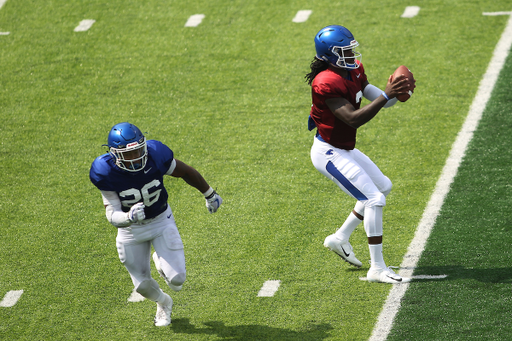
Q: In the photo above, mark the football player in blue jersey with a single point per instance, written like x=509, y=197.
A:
x=130, y=178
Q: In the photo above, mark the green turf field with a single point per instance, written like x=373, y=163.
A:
x=229, y=98
x=470, y=243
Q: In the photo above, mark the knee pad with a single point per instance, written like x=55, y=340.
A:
x=377, y=199
x=387, y=187
x=176, y=283
x=149, y=288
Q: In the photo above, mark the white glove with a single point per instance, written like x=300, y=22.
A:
x=137, y=213
x=213, y=201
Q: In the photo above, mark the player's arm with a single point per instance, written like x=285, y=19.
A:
x=192, y=177
x=343, y=110
x=115, y=214
x=371, y=93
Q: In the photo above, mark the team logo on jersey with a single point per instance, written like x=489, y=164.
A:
x=329, y=152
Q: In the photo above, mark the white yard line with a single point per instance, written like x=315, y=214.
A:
x=302, y=16
x=84, y=25
x=392, y=305
x=430, y=277
x=497, y=13
x=410, y=12
x=11, y=298
x=194, y=20
x=2, y=3
x=269, y=288
x=417, y=277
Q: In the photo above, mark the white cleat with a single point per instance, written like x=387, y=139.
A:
x=163, y=315
x=342, y=249
x=157, y=264
x=385, y=276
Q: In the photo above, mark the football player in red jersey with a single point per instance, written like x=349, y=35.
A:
x=338, y=83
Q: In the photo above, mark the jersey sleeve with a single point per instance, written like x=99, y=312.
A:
x=172, y=168
x=325, y=86
x=161, y=154
x=99, y=173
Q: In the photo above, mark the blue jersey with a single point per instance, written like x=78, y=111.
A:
x=146, y=185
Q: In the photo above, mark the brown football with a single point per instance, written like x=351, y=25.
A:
x=403, y=70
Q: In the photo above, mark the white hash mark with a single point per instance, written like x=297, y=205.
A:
x=269, y=288
x=194, y=20
x=11, y=298
x=302, y=16
x=135, y=297
x=410, y=12
x=84, y=25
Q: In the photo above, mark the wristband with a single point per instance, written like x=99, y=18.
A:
x=208, y=192
x=385, y=96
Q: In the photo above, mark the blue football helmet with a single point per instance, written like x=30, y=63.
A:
x=127, y=145
x=335, y=45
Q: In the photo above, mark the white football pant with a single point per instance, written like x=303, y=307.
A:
x=134, y=249
x=357, y=175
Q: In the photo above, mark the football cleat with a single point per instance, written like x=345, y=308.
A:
x=163, y=314
x=385, y=276
x=342, y=249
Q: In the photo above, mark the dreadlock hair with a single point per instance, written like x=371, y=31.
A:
x=317, y=66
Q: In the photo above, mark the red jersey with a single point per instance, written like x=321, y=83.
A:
x=328, y=84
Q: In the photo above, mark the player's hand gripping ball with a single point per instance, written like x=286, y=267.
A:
x=403, y=70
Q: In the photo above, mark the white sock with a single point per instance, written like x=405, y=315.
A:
x=377, y=259
x=164, y=299
x=348, y=227
x=351, y=223
x=359, y=208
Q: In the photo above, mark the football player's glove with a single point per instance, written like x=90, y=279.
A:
x=213, y=201
x=137, y=213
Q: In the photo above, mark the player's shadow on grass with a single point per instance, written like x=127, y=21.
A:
x=252, y=332
x=493, y=275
